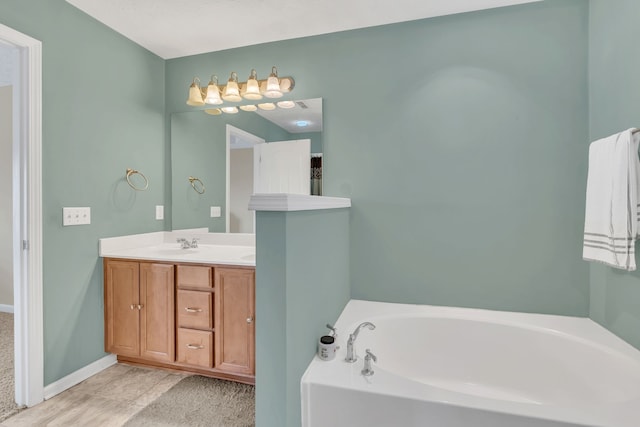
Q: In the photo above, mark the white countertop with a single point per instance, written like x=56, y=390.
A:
x=295, y=202
x=213, y=248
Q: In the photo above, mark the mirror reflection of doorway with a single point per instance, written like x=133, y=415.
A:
x=240, y=179
x=254, y=166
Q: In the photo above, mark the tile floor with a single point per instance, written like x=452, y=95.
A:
x=107, y=399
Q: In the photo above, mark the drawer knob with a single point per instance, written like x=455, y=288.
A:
x=195, y=346
x=193, y=310
x=250, y=319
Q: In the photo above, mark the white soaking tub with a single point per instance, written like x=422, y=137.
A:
x=458, y=367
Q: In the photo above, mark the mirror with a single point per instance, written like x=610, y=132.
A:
x=212, y=161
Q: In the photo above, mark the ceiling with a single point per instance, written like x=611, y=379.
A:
x=176, y=28
x=305, y=116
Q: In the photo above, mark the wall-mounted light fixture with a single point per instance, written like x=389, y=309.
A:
x=234, y=91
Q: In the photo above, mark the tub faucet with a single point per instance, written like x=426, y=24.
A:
x=351, y=355
x=367, y=371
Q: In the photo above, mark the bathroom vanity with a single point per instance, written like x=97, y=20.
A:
x=187, y=309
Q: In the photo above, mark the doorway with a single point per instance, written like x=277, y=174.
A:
x=26, y=198
x=240, y=180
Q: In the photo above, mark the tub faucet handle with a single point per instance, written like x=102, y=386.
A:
x=367, y=371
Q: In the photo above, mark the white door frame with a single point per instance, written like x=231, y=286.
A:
x=27, y=222
x=232, y=130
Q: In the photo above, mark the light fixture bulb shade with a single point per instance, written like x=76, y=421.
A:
x=273, y=88
x=248, y=107
x=232, y=92
x=286, y=104
x=229, y=110
x=267, y=106
x=213, y=111
x=213, y=95
x=195, y=96
x=252, y=90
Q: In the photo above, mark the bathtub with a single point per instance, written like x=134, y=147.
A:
x=458, y=367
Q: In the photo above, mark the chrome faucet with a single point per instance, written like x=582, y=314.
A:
x=185, y=244
x=367, y=371
x=351, y=355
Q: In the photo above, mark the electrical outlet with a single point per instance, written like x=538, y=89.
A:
x=76, y=216
x=159, y=212
x=215, y=211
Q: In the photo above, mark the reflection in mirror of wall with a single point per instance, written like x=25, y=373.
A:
x=203, y=146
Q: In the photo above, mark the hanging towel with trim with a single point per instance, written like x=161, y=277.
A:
x=611, y=214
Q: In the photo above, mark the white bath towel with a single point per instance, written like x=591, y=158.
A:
x=611, y=214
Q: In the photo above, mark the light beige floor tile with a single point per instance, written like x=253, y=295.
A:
x=160, y=388
x=122, y=383
x=71, y=409
x=108, y=399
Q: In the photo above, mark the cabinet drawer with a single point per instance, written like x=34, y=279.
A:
x=194, y=276
x=194, y=309
x=195, y=347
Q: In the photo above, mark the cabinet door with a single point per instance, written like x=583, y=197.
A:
x=121, y=314
x=157, y=312
x=234, y=320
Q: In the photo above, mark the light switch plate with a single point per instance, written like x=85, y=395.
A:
x=215, y=211
x=159, y=212
x=76, y=216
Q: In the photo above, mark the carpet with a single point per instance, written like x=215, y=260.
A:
x=198, y=401
x=8, y=405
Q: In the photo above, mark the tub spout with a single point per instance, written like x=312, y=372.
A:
x=351, y=355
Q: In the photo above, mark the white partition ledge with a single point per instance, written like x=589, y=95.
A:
x=295, y=202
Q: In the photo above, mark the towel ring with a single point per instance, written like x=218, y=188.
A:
x=197, y=184
x=134, y=172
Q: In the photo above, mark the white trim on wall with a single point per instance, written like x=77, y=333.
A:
x=4, y=308
x=29, y=344
x=78, y=376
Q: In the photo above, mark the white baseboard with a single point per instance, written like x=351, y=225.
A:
x=4, y=308
x=78, y=376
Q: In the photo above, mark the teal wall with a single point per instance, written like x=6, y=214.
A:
x=614, y=104
x=103, y=111
x=461, y=142
x=198, y=148
x=302, y=275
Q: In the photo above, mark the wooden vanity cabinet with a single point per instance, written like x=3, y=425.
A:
x=194, y=312
x=234, y=320
x=139, y=307
x=196, y=318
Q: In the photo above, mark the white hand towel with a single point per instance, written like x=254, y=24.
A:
x=611, y=214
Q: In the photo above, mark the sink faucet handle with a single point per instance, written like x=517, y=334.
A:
x=194, y=242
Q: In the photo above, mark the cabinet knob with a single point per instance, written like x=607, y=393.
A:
x=132, y=306
x=140, y=306
x=250, y=319
x=192, y=310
